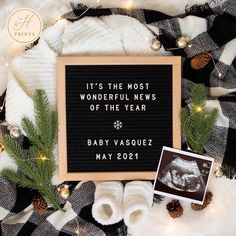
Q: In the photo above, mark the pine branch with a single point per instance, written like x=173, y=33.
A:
x=20, y=156
x=42, y=113
x=31, y=132
x=197, y=124
x=51, y=196
x=18, y=179
x=198, y=95
x=36, y=165
x=53, y=130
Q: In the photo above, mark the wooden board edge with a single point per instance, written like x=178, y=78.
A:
x=61, y=107
x=137, y=60
x=176, y=99
x=146, y=175
x=117, y=60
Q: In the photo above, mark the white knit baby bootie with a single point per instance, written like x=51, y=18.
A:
x=107, y=207
x=137, y=202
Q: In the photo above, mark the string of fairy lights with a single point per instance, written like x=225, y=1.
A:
x=181, y=43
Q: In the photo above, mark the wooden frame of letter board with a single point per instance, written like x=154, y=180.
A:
x=61, y=94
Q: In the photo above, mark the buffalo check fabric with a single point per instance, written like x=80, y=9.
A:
x=214, y=32
x=18, y=217
x=210, y=28
x=21, y=219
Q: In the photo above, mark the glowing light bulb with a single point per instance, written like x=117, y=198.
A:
x=77, y=231
x=128, y=5
x=198, y=108
x=42, y=157
x=58, y=18
x=66, y=186
x=55, y=19
x=189, y=45
x=219, y=172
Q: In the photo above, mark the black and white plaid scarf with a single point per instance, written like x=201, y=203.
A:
x=220, y=17
x=18, y=217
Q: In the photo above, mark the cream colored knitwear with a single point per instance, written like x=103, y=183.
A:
x=108, y=35
x=35, y=68
x=18, y=103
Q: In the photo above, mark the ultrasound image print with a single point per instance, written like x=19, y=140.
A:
x=182, y=175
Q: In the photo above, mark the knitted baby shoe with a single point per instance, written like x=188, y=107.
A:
x=107, y=207
x=138, y=198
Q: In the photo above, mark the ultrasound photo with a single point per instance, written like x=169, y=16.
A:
x=183, y=175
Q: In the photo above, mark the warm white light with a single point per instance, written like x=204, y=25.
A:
x=42, y=158
x=198, y=108
x=213, y=209
x=55, y=19
x=128, y=5
x=64, y=192
x=77, y=231
x=6, y=64
x=66, y=186
x=63, y=187
x=170, y=226
x=58, y=18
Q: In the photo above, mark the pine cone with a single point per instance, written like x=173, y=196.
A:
x=175, y=209
x=207, y=201
x=201, y=60
x=39, y=204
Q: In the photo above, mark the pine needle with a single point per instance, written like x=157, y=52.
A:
x=197, y=124
x=36, y=166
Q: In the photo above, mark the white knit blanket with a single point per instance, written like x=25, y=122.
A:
x=109, y=35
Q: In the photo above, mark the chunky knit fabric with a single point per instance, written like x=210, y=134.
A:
x=125, y=35
x=112, y=34
x=18, y=103
x=35, y=69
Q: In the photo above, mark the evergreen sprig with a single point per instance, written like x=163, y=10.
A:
x=36, y=166
x=197, y=123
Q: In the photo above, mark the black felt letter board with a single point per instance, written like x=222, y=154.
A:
x=118, y=117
